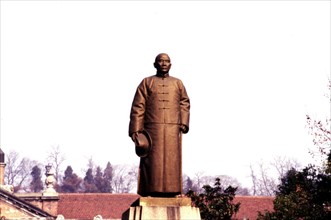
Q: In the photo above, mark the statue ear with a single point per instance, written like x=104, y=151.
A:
x=155, y=65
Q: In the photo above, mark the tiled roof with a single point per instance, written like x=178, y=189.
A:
x=250, y=205
x=112, y=206
x=88, y=205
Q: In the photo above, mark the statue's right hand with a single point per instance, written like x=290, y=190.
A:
x=134, y=136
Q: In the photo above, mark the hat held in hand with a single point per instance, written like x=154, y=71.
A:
x=143, y=144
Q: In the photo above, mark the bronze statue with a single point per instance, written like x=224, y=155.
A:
x=160, y=113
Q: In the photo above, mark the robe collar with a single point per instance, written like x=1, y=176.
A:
x=162, y=75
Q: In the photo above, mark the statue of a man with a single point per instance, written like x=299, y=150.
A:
x=161, y=110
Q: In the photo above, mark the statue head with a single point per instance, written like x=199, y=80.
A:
x=162, y=63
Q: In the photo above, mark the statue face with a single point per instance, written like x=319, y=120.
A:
x=162, y=63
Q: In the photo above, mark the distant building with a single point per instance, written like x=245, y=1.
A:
x=13, y=207
x=49, y=204
x=112, y=206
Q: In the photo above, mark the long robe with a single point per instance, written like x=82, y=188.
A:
x=160, y=106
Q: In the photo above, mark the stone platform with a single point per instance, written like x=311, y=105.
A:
x=155, y=208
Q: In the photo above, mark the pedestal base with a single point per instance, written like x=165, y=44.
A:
x=147, y=208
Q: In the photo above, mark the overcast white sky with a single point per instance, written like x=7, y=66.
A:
x=253, y=70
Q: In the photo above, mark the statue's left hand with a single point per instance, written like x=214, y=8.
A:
x=134, y=136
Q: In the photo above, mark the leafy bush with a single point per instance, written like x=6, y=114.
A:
x=214, y=202
x=302, y=194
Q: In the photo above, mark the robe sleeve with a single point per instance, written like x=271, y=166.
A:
x=138, y=109
x=184, y=107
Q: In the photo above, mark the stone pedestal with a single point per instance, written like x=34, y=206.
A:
x=147, y=208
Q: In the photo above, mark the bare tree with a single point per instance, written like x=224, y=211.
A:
x=226, y=181
x=18, y=171
x=124, y=178
x=12, y=164
x=266, y=177
x=284, y=164
x=199, y=181
x=256, y=188
x=320, y=130
x=90, y=165
x=56, y=158
x=266, y=184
